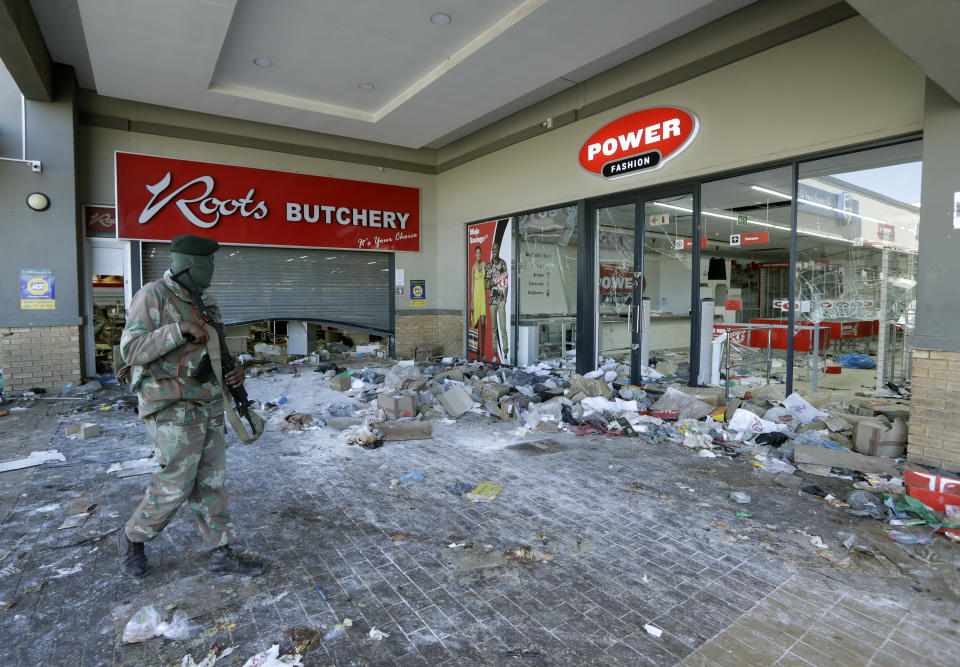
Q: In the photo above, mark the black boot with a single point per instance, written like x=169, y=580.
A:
x=133, y=562
x=223, y=560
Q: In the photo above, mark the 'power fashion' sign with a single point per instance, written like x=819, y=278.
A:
x=642, y=141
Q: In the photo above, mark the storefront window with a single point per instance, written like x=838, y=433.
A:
x=745, y=269
x=858, y=221
x=547, y=285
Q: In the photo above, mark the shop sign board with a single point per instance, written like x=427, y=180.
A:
x=159, y=198
x=687, y=244
x=37, y=289
x=100, y=220
x=754, y=238
x=638, y=142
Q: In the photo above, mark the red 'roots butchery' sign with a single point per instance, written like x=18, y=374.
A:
x=159, y=198
x=642, y=141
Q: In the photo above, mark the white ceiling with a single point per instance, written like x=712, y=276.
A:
x=433, y=84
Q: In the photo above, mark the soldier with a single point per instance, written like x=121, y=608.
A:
x=181, y=404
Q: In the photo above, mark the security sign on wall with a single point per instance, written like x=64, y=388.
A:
x=639, y=142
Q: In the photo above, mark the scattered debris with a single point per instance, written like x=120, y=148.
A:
x=485, y=492
x=377, y=635
x=83, y=431
x=134, y=467
x=34, y=459
x=653, y=630
x=74, y=521
x=528, y=555
x=148, y=622
x=213, y=654
x=272, y=658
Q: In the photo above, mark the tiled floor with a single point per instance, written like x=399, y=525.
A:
x=641, y=534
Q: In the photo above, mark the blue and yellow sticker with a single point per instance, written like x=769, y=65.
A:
x=37, y=289
x=418, y=292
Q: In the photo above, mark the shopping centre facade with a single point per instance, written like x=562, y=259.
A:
x=783, y=166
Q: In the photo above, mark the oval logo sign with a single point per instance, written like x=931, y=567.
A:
x=642, y=141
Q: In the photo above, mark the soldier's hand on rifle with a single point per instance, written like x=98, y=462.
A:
x=194, y=333
x=236, y=377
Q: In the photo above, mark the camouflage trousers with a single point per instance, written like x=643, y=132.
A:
x=188, y=441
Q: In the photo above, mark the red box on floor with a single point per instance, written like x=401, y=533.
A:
x=834, y=370
x=941, y=502
x=930, y=482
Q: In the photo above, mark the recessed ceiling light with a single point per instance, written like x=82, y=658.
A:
x=366, y=86
x=262, y=62
x=441, y=19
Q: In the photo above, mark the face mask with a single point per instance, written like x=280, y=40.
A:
x=201, y=269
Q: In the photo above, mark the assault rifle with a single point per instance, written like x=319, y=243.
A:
x=227, y=362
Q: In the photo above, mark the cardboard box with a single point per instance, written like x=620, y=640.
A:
x=340, y=382
x=873, y=438
x=412, y=430
x=397, y=406
x=83, y=430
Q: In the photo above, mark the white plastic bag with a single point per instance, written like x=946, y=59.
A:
x=148, y=623
x=689, y=407
x=744, y=420
x=805, y=412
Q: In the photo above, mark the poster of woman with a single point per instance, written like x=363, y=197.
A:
x=489, y=257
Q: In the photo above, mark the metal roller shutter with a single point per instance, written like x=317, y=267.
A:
x=329, y=286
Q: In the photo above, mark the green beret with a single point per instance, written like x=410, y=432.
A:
x=188, y=244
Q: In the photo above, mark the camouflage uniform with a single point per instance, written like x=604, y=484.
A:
x=183, y=416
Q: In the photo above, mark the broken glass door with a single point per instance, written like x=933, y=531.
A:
x=615, y=234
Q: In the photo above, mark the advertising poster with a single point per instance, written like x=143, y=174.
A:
x=36, y=290
x=489, y=258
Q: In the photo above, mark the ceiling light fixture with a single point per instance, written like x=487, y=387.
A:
x=262, y=62
x=366, y=85
x=440, y=18
x=815, y=204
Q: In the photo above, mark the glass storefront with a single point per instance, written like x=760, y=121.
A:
x=698, y=282
x=547, y=285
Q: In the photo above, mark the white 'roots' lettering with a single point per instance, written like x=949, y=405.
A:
x=205, y=204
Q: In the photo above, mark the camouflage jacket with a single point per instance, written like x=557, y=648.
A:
x=162, y=361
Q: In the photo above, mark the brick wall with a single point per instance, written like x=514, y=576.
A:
x=934, y=437
x=450, y=329
x=47, y=357
x=442, y=333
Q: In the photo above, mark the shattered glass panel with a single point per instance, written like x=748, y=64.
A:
x=858, y=221
x=667, y=274
x=547, y=288
x=615, y=244
x=745, y=269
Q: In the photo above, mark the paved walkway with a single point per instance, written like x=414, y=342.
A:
x=640, y=534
